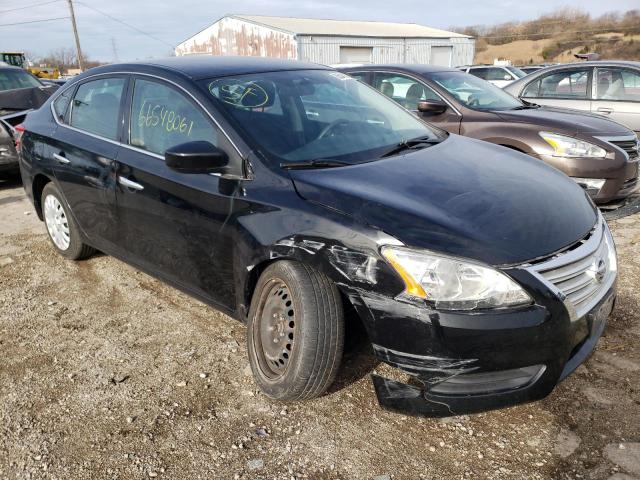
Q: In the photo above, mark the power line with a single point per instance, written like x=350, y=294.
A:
x=32, y=21
x=125, y=24
x=33, y=5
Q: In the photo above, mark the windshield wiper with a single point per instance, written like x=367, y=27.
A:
x=412, y=144
x=319, y=163
x=526, y=105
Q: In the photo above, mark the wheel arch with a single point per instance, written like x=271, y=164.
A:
x=37, y=186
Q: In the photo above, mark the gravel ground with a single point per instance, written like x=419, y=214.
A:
x=106, y=372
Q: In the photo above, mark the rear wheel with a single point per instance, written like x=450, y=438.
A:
x=295, y=334
x=61, y=227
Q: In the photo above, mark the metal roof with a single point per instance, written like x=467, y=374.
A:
x=347, y=28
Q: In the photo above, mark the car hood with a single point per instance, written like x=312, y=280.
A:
x=565, y=120
x=462, y=197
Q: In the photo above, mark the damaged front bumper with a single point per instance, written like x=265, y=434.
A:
x=444, y=386
x=472, y=361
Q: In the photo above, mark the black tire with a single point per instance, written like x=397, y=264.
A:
x=76, y=250
x=311, y=348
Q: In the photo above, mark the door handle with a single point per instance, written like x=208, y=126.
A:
x=125, y=182
x=61, y=158
x=604, y=110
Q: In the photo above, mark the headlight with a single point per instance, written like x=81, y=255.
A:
x=454, y=284
x=572, y=147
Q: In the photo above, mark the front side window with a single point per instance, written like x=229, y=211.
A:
x=96, y=107
x=475, y=93
x=618, y=84
x=162, y=117
x=404, y=90
x=11, y=79
x=571, y=84
x=313, y=114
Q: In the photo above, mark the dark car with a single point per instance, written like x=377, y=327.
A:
x=599, y=154
x=19, y=92
x=295, y=199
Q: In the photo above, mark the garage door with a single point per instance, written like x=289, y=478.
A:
x=356, y=54
x=441, y=56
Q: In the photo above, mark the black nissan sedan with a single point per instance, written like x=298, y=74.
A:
x=288, y=194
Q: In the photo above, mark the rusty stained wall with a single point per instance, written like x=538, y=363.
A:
x=230, y=36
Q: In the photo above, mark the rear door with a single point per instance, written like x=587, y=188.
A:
x=568, y=88
x=84, y=148
x=176, y=225
x=617, y=95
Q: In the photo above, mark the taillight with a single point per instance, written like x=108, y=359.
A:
x=18, y=130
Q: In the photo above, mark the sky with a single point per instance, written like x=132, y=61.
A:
x=167, y=23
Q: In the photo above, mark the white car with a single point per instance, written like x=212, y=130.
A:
x=499, y=75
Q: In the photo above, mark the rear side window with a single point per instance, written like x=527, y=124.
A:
x=572, y=84
x=96, y=107
x=618, y=84
x=491, y=73
x=61, y=104
x=162, y=117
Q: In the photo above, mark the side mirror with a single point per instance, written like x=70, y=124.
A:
x=507, y=77
x=432, y=107
x=197, y=157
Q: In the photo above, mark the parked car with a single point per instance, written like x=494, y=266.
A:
x=500, y=76
x=295, y=199
x=574, y=142
x=19, y=92
x=608, y=88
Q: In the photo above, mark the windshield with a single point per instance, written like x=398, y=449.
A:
x=11, y=79
x=474, y=92
x=305, y=115
x=517, y=72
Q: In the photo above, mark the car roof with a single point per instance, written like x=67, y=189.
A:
x=199, y=67
x=417, y=68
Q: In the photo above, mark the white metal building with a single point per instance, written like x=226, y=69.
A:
x=330, y=41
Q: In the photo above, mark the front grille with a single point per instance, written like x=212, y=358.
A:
x=629, y=146
x=583, y=275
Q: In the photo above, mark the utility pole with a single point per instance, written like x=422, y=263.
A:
x=75, y=34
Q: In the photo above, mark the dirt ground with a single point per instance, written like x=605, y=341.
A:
x=106, y=372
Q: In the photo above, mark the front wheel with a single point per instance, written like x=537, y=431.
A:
x=61, y=227
x=295, y=334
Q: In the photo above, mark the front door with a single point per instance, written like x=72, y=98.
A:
x=84, y=149
x=179, y=226
x=408, y=91
x=569, y=88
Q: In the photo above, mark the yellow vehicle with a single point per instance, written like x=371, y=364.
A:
x=15, y=59
x=44, y=72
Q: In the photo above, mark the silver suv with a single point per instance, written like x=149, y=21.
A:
x=499, y=75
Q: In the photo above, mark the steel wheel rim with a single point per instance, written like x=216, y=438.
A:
x=275, y=335
x=57, y=224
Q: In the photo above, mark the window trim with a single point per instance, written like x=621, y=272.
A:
x=573, y=69
x=124, y=145
x=595, y=84
x=129, y=105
